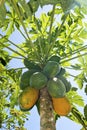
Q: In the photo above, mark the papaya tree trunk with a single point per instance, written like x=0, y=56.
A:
x=47, y=120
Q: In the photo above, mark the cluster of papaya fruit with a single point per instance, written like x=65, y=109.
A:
x=50, y=76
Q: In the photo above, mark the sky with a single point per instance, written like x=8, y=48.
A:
x=34, y=119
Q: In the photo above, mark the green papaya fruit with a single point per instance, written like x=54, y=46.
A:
x=54, y=58
x=31, y=65
x=62, y=72
x=66, y=83
x=56, y=88
x=51, y=69
x=38, y=80
x=25, y=79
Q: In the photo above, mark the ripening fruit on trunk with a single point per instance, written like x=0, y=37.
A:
x=61, y=106
x=28, y=98
x=56, y=88
x=25, y=79
x=38, y=80
x=51, y=69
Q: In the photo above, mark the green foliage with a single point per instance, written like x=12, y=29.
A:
x=2, y=12
x=60, y=31
x=78, y=117
x=80, y=79
x=75, y=98
x=11, y=117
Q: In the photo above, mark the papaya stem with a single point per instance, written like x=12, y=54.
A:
x=20, y=18
x=73, y=58
x=57, y=34
x=75, y=52
x=22, y=34
x=12, y=43
x=14, y=57
x=47, y=120
x=13, y=50
x=52, y=17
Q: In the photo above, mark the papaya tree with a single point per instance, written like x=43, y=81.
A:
x=53, y=52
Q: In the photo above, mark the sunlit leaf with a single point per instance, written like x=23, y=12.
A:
x=80, y=80
x=75, y=98
x=2, y=12
x=83, y=34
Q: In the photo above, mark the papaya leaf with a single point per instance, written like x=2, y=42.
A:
x=33, y=5
x=82, y=128
x=14, y=74
x=79, y=117
x=2, y=12
x=80, y=79
x=84, y=10
x=75, y=98
x=83, y=4
x=26, y=8
x=85, y=111
x=83, y=33
x=10, y=28
x=81, y=60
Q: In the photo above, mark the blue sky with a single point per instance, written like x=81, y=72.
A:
x=34, y=119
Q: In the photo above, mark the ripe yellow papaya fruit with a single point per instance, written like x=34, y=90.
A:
x=61, y=106
x=28, y=98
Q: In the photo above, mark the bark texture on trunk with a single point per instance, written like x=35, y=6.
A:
x=47, y=120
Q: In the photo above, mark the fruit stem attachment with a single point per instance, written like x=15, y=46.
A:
x=47, y=120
